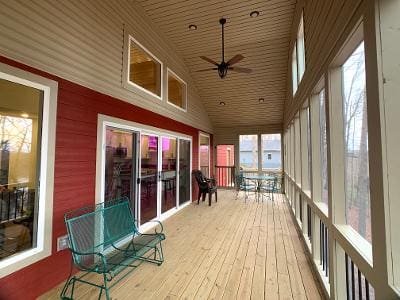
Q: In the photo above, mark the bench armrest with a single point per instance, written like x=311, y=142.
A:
x=101, y=256
x=161, y=225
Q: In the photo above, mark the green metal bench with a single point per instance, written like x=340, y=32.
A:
x=104, y=239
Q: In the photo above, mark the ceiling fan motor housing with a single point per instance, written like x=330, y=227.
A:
x=222, y=69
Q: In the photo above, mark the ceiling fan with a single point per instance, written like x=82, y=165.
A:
x=223, y=67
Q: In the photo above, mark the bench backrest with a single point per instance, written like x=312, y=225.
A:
x=92, y=229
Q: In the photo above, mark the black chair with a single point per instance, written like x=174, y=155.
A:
x=206, y=186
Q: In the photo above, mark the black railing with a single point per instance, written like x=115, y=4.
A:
x=225, y=176
x=16, y=203
x=357, y=286
x=309, y=228
x=324, y=248
x=301, y=208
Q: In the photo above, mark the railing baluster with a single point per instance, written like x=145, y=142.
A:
x=366, y=288
x=327, y=251
x=359, y=284
x=353, y=288
x=8, y=206
x=346, y=258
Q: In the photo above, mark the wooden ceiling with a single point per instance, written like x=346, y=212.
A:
x=264, y=41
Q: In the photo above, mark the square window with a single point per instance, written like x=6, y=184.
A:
x=144, y=69
x=177, y=91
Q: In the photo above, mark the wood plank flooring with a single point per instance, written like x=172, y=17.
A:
x=231, y=250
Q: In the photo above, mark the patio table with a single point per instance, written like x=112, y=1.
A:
x=259, y=178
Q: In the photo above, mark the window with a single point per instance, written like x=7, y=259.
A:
x=177, y=91
x=323, y=148
x=204, y=153
x=297, y=150
x=145, y=71
x=301, y=58
x=271, y=152
x=298, y=57
x=248, y=152
x=357, y=194
x=27, y=108
x=305, y=149
x=294, y=70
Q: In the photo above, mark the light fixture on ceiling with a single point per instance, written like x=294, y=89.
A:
x=261, y=100
x=192, y=27
x=24, y=115
x=254, y=14
x=222, y=103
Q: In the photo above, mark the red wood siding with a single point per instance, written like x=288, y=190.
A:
x=75, y=168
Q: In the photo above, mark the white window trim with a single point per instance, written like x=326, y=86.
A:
x=127, y=57
x=209, y=151
x=46, y=178
x=102, y=122
x=169, y=71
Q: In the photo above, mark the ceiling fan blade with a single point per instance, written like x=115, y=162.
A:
x=209, y=60
x=210, y=69
x=241, y=70
x=235, y=59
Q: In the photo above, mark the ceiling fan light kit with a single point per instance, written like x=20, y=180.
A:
x=223, y=67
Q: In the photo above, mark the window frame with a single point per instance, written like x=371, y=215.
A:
x=316, y=186
x=300, y=42
x=269, y=154
x=44, y=233
x=130, y=85
x=295, y=73
x=169, y=71
x=336, y=132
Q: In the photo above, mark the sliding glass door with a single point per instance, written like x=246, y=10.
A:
x=151, y=169
x=149, y=178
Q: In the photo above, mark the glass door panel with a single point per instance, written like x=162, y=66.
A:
x=184, y=171
x=168, y=173
x=120, y=165
x=148, y=175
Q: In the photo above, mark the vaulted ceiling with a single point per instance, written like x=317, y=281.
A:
x=264, y=41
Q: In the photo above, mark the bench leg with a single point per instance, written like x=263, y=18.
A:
x=70, y=281
x=105, y=288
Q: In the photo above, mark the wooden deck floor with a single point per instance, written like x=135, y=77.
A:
x=231, y=250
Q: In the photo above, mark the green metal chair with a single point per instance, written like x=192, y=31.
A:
x=246, y=185
x=267, y=188
x=104, y=239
